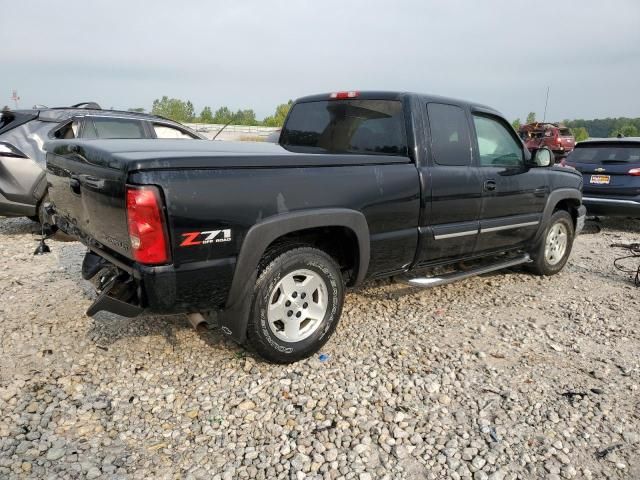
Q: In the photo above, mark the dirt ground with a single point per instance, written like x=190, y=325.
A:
x=505, y=376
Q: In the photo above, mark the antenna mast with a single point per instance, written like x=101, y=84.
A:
x=546, y=102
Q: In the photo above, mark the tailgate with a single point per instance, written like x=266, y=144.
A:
x=87, y=189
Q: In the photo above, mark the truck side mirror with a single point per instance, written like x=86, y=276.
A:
x=543, y=157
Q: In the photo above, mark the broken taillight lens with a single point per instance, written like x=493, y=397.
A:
x=147, y=229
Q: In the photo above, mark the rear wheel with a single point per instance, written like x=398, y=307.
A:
x=296, y=305
x=554, y=248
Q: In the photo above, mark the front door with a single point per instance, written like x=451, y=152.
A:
x=452, y=194
x=514, y=195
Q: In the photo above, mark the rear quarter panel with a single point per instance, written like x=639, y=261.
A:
x=201, y=200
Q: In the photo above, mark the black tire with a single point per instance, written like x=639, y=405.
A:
x=541, y=265
x=260, y=332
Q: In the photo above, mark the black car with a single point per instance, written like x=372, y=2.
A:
x=362, y=185
x=23, y=133
x=611, y=172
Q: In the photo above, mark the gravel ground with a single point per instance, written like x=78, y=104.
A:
x=498, y=377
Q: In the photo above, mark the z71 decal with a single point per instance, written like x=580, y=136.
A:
x=203, y=238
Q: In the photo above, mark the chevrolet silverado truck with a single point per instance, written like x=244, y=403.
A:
x=265, y=238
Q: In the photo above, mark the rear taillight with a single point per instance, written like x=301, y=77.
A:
x=635, y=172
x=343, y=95
x=8, y=150
x=147, y=229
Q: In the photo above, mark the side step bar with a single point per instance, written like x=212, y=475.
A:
x=427, y=282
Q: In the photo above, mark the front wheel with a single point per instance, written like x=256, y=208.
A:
x=296, y=305
x=553, y=250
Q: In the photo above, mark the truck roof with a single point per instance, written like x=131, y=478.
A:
x=398, y=95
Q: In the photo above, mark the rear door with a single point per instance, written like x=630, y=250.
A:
x=513, y=195
x=450, y=228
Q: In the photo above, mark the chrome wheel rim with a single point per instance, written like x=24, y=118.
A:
x=297, y=305
x=556, y=244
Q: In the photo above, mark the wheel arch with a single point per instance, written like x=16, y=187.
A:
x=233, y=319
x=568, y=199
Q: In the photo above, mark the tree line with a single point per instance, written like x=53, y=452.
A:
x=597, y=128
x=184, y=112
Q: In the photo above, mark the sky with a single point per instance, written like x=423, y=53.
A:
x=259, y=53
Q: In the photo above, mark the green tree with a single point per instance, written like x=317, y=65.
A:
x=516, y=124
x=223, y=115
x=580, y=133
x=628, y=130
x=245, y=117
x=277, y=119
x=206, y=116
x=531, y=118
x=174, y=109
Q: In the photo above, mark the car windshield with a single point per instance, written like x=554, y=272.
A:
x=350, y=126
x=606, y=154
x=565, y=132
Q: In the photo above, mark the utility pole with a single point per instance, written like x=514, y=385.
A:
x=546, y=102
x=15, y=98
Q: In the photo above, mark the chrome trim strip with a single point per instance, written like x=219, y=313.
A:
x=611, y=200
x=457, y=234
x=508, y=227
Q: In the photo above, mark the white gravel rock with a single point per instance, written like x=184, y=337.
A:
x=500, y=377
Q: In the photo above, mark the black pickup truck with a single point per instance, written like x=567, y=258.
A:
x=266, y=237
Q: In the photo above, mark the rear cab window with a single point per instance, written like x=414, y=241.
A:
x=373, y=127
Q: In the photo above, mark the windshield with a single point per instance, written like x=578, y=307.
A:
x=606, y=154
x=350, y=126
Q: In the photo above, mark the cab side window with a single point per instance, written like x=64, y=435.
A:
x=68, y=130
x=496, y=146
x=450, y=139
x=105, y=127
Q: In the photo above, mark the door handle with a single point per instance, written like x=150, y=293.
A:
x=540, y=191
x=74, y=185
x=490, y=185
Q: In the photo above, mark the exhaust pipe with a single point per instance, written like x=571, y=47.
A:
x=196, y=320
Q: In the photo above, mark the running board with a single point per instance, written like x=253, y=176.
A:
x=427, y=282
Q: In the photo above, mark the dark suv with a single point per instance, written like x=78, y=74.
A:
x=23, y=133
x=611, y=171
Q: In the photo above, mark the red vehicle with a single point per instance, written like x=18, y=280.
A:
x=551, y=135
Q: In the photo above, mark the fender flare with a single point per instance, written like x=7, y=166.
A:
x=555, y=197
x=234, y=318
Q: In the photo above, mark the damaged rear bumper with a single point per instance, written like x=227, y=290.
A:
x=129, y=289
